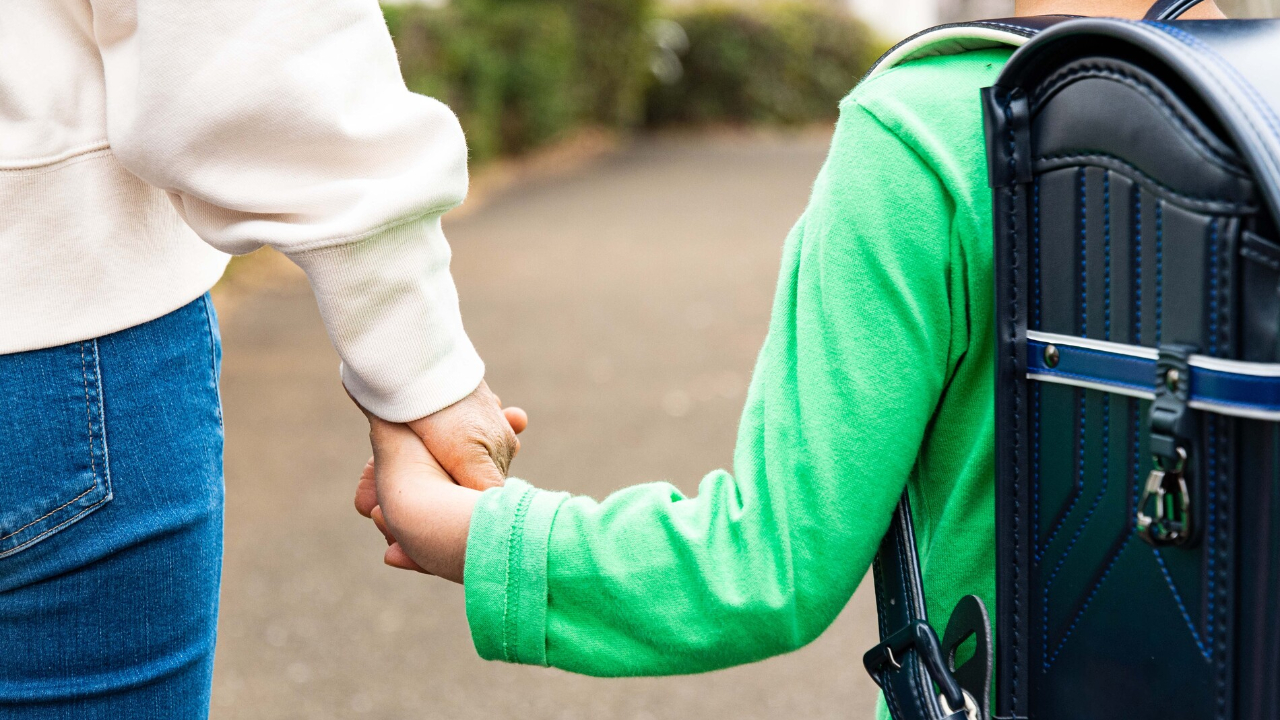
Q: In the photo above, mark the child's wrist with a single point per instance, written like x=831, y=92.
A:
x=433, y=531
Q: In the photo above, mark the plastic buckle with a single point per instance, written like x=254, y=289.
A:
x=921, y=638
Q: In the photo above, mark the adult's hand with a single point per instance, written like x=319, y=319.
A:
x=473, y=439
x=366, y=500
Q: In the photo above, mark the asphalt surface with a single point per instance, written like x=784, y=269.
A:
x=622, y=305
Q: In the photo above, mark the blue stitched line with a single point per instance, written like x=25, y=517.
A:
x=1168, y=579
x=1106, y=255
x=1213, y=476
x=1035, y=463
x=1159, y=270
x=1213, y=428
x=1084, y=256
x=1013, y=357
x=1213, y=287
x=1220, y=646
x=1089, y=599
x=1084, y=327
x=1097, y=500
x=1182, y=607
x=1136, y=480
x=1136, y=421
x=1035, y=397
x=1044, y=623
x=1137, y=264
x=1035, y=244
x=1079, y=486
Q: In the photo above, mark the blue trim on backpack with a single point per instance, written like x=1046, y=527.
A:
x=1226, y=387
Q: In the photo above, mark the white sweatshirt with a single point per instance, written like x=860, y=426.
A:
x=140, y=140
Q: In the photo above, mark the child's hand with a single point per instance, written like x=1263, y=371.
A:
x=423, y=514
x=367, y=505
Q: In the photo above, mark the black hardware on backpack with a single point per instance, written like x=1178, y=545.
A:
x=1135, y=169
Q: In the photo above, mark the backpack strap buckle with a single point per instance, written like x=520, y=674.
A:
x=919, y=637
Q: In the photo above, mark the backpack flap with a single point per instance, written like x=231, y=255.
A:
x=1136, y=177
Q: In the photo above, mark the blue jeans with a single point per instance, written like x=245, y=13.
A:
x=111, y=523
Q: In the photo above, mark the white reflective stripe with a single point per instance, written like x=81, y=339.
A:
x=1091, y=385
x=1234, y=410
x=1232, y=367
x=1235, y=367
x=1105, y=346
x=947, y=41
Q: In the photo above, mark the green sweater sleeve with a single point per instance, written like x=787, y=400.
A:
x=760, y=562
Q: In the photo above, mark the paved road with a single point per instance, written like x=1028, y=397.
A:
x=623, y=306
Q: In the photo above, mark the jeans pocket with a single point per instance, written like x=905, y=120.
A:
x=53, y=442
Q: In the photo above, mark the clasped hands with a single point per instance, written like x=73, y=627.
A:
x=424, y=478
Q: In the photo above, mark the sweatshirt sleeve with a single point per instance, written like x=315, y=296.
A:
x=759, y=562
x=287, y=123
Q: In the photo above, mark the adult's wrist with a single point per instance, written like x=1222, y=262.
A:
x=391, y=309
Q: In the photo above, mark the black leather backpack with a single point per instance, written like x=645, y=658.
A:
x=1135, y=169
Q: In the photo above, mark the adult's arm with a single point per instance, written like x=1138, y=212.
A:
x=287, y=123
x=759, y=562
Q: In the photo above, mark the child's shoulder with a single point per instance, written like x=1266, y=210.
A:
x=934, y=86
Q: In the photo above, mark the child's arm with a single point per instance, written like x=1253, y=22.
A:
x=862, y=341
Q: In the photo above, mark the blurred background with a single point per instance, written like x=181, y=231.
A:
x=636, y=168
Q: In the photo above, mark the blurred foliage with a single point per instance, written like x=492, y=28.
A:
x=507, y=69
x=784, y=63
x=521, y=73
x=613, y=58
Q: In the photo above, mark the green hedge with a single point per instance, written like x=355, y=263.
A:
x=787, y=63
x=520, y=73
x=506, y=70
x=613, y=58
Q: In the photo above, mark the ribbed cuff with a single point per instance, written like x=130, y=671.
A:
x=506, y=572
x=391, y=309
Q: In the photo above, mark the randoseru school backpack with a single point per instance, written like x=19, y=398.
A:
x=1135, y=169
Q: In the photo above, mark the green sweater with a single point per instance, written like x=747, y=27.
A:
x=877, y=373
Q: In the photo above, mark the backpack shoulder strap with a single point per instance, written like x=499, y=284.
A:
x=910, y=660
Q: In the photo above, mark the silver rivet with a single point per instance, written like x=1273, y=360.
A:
x=1051, y=356
x=1172, y=378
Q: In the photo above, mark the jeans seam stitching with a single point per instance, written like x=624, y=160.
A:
x=88, y=413
x=55, y=528
x=102, y=420
x=51, y=512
